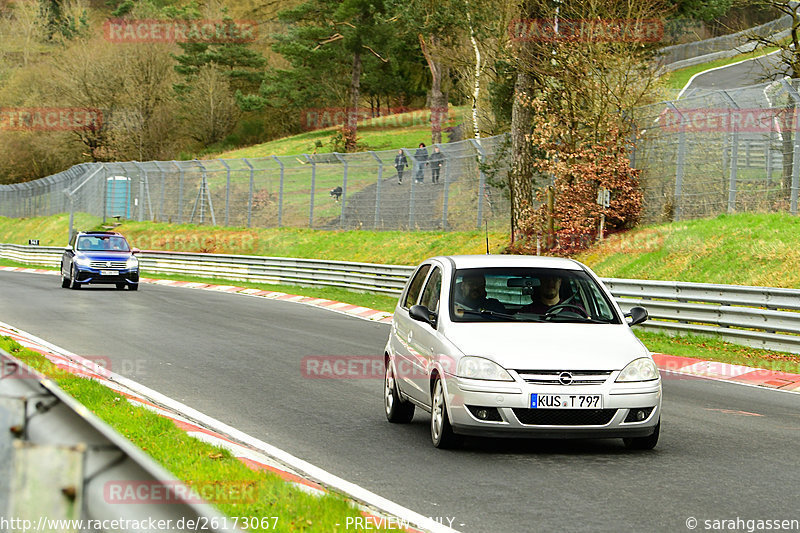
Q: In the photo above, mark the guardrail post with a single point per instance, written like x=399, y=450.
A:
x=377, y=190
x=280, y=191
x=227, y=191
x=344, y=188
x=250, y=195
x=313, y=185
x=482, y=182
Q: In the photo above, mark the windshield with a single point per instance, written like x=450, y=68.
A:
x=110, y=243
x=528, y=295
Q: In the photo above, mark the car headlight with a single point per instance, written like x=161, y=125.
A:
x=132, y=262
x=480, y=368
x=642, y=369
x=82, y=261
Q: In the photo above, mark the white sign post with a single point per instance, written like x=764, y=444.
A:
x=603, y=199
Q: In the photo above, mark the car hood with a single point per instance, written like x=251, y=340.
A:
x=104, y=255
x=553, y=346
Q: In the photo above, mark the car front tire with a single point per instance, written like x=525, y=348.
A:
x=643, y=443
x=397, y=411
x=73, y=284
x=133, y=286
x=442, y=434
x=64, y=280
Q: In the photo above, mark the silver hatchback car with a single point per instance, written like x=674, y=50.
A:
x=519, y=346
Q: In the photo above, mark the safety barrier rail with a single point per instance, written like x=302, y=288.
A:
x=762, y=317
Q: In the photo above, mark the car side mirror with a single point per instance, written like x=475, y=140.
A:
x=135, y=251
x=422, y=314
x=68, y=248
x=636, y=315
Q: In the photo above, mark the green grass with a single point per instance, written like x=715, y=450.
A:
x=385, y=247
x=405, y=130
x=242, y=492
x=760, y=249
x=678, y=79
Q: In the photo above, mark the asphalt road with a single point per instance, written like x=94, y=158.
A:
x=758, y=70
x=726, y=451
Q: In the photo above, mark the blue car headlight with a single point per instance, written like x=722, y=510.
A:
x=132, y=263
x=82, y=261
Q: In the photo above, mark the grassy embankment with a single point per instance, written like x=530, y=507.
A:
x=747, y=249
x=237, y=490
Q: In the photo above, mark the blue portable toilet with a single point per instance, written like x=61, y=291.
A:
x=118, y=197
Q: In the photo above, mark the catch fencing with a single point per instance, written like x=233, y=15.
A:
x=720, y=151
x=761, y=317
x=708, y=153
x=324, y=191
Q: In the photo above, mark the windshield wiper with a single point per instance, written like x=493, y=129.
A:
x=488, y=312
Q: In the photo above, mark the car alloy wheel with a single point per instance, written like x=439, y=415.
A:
x=441, y=431
x=397, y=411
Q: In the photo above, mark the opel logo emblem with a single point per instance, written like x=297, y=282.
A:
x=565, y=378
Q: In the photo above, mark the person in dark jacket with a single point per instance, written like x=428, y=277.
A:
x=436, y=162
x=400, y=163
x=421, y=156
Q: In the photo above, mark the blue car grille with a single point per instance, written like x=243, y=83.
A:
x=116, y=265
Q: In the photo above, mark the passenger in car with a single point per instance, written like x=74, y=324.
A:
x=471, y=293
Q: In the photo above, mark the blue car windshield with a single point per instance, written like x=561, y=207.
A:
x=529, y=295
x=108, y=243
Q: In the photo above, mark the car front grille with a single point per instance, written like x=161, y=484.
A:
x=564, y=417
x=552, y=377
x=116, y=265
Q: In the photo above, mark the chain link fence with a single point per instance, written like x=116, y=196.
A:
x=709, y=153
x=323, y=191
x=720, y=151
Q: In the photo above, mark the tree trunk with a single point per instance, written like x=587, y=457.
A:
x=438, y=98
x=520, y=179
x=351, y=128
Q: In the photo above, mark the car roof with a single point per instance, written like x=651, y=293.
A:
x=99, y=233
x=531, y=261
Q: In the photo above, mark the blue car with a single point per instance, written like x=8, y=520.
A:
x=99, y=257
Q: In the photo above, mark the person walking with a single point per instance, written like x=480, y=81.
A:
x=400, y=163
x=421, y=156
x=436, y=161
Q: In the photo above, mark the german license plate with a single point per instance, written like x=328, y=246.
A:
x=108, y=272
x=566, y=401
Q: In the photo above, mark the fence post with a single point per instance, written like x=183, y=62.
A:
x=180, y=191
x=313, y=185
x=163, y=187
x=250, y=195
x=445, y=194
x=280, y=192
x=482, y=182
x=796, y=152
x=344, y=188
x=414, y=169
x=377, y=190
x=681, y=159
x=732, y=180
x=142, y=180
x=227, y=190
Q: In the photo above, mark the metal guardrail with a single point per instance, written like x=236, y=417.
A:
x=58, y=461
x=761, y=317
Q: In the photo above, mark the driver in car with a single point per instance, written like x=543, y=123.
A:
x=471, y=293
x=547, y=296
